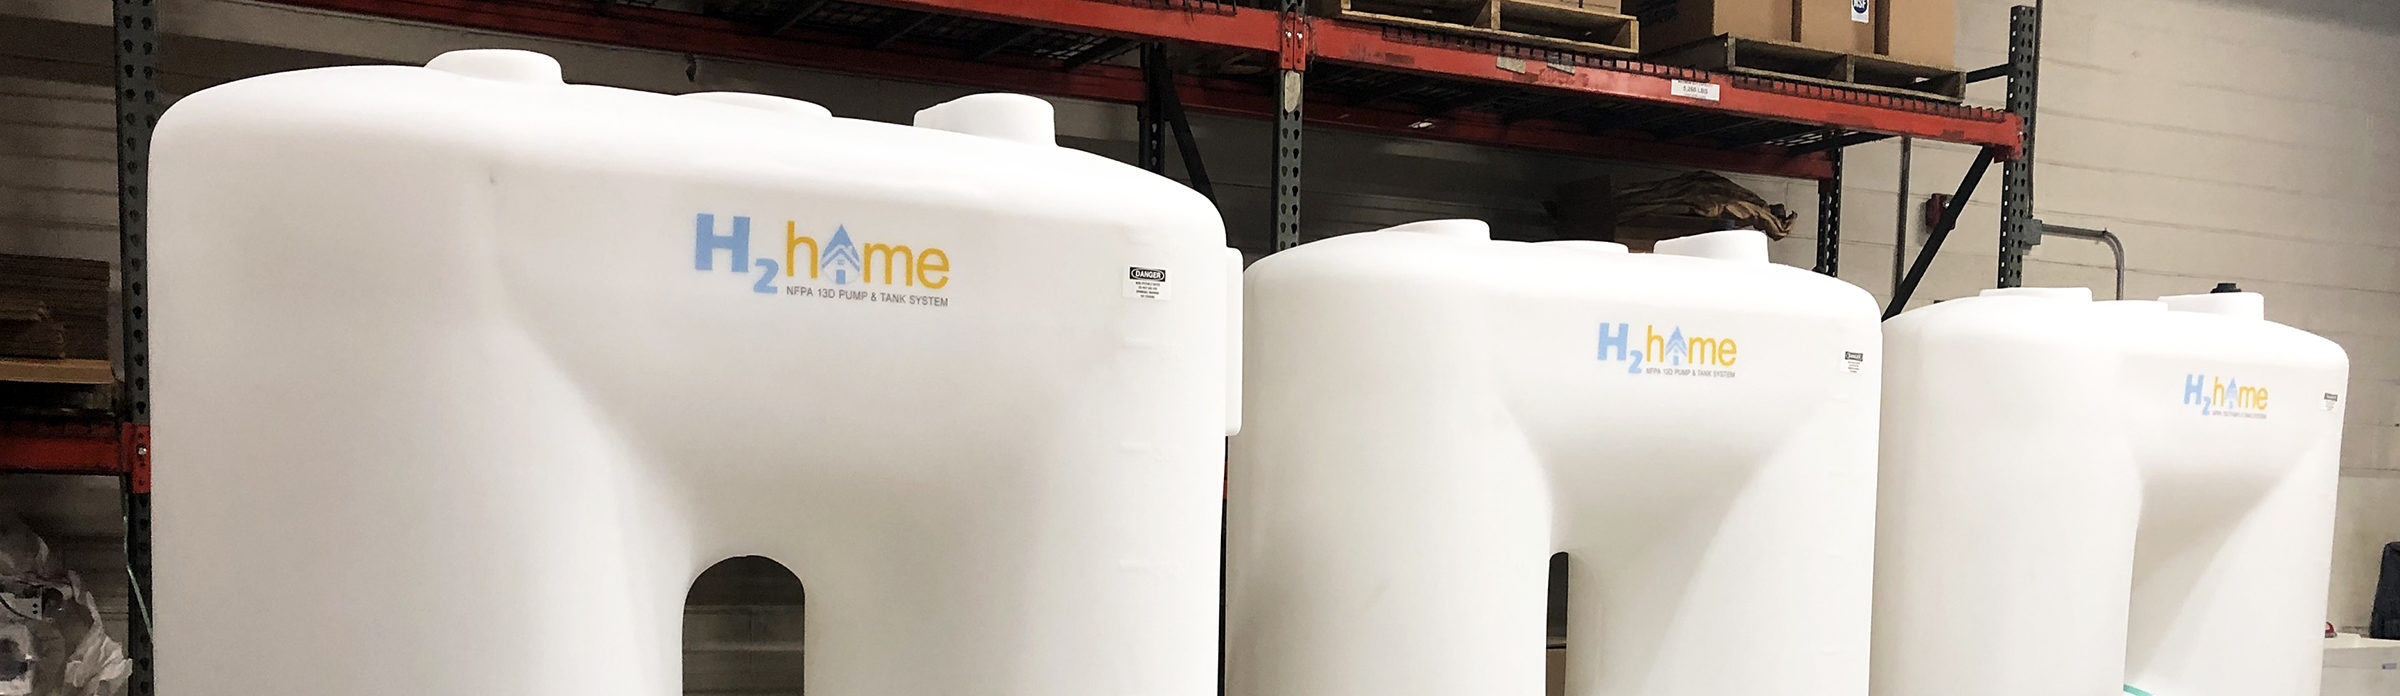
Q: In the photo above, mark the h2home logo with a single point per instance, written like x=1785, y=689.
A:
x=2226, y=397
x=837, y=267
x=1671, y=353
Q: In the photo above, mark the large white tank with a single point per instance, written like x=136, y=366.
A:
x=2356, y=665
x=2091, y=498
x=1432, y=414
x=464, y=374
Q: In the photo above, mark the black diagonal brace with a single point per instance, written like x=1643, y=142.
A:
x=1941, y=231
x=1165, y=105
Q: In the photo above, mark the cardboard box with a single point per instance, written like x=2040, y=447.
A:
x=1846, y=26
x=1918, y=31
x=56, y=308
x=1671, y=23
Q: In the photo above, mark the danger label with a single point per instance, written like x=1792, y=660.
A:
x=1147, y=283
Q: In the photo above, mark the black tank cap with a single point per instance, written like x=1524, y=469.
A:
x=2224, y=287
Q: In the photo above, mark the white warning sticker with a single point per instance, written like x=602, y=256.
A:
x=1147, y=283
x=1861, y=12
x=1694, y=90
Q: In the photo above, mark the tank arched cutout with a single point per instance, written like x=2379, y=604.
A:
x=742, y=629
x=1554, y=641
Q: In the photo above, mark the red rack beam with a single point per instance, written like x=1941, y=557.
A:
x=1484, y=129
x=1366, y=45
x=681, y=32
x=65, y=448
x=687, y=33
x=1329, y=40
x=1226, y=27
x=1332, y=40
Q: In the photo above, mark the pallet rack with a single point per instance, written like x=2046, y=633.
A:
x=1310, y=71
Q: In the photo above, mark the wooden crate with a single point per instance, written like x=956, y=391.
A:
x=1568, y=25
x=78, y=372
x=1784, y=60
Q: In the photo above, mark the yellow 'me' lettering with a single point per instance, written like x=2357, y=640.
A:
x=2253, y=397
x=933, y=261
x=1711, y=350
x=891, y=252
x=791, y=242
x=1702, y=350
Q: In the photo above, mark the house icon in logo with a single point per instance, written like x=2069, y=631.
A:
x=840, y=258
x=1676, y=351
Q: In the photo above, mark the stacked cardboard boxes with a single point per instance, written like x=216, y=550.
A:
x=1672, y=23
x=1915, y=31
x=1918, y=31
x=1592, y=27
x=53, y=308
x=1841, y=26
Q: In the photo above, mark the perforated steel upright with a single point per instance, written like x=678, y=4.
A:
x=2018, y=228
x=1829, y=218
x=136, y=29
x=1290, y=80
x=1150, y=144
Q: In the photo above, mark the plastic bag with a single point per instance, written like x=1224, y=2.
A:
x=16, y=659
x=52, y=639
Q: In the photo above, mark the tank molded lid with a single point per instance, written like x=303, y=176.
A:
x=1476, y=230
x=2236, y=304
x=1730, y=245
x=503, y=64
x=1589, y=245
x=2068, y=294
x=1000, y=116
x=767, y=102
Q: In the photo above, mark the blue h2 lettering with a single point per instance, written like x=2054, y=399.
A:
x=1618, y=341
x=2195, y=389
x=706, y=240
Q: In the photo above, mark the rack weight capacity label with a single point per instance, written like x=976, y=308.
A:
x=1688, y=89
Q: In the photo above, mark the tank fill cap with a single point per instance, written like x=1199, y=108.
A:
x=2235, y=303
x=505, y=65
x=1000, y=116
x=1749, y=246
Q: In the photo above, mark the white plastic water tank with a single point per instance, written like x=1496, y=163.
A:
x=1432, y=414
x=2359, y=666
x=2092, y=497
x=464, y=374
